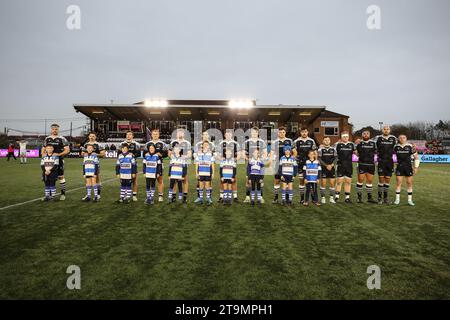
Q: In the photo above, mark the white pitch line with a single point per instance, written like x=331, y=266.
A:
x=37, y=199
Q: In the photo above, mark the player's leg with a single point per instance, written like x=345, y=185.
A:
x=147, y=190
x=369, y=187
x=340, y=182
x=283, y=192
x=98, y=183
x=409, y=186
x=221, y=191
x=62, y=180
x=315, y=195
x=360, y=183
x=160, y=188
x=276, y=188
x=88, y=189
x=248, y=187
x=323, y=189
x=381, y=182
x=198, y=189
x=252, y=190
x=398, y=189
x=52, y=181
x=301, y=187
x=234, y=190
x=135, y=187
x=307, y=194
x=185, y=188
x=290, y=192
x=332, y=190
x=347, y=189
x=170, y=194
x=259, y=191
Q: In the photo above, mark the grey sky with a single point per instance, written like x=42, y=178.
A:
x=289, y=52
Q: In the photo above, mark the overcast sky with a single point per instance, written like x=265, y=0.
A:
x=277, y=51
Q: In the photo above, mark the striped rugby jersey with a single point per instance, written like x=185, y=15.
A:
x=49, y=162
x=204, y=161
x=228, y=168
x=255, y=167
x=177, y=167
x=90, y=164
x=126, y=166
x=150, y=165
x=288, y=166
x=312, y=170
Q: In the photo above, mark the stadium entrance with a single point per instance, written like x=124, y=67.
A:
x=110, y=121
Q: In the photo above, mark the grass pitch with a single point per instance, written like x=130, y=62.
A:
x=238, y=252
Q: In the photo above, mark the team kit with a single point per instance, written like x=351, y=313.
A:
x=323, y=172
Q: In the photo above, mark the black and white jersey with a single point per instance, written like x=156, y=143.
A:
x=404, y=154
x=199, y=145
x=160, y=147
x=385, y=146
x=133, y=147
x=366, y=151
x=184, y=145
x=58, y=143
x=225, y=145
x=345, y=152
x=303, y=146
x=278, y=146
x=251, y=144
x=97, y=148
x=327, y=155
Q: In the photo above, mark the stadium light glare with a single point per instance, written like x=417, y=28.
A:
x=156, y=103
x=185, y=112
x=241, y=104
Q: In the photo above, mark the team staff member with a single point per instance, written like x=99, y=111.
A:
x=100, y=152
x=405, y=153
x=366, y=150
x=327, y=156
x=276, y=153
x=250, y=145
x=385, y=146
x=135, y=150
x=185, y=153
x=228, y=144
x=345, y=150
x=11, y=152
x=302, y=146
x=161, y=151
x=60, y=149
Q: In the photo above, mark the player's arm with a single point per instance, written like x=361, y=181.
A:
x=144, y=166
x=118, y=167
x=416, y=160
x=295, y=169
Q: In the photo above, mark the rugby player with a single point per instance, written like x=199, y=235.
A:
x=405, y=152
x=327, y=156
x=204, y=168
x=366, y=150
x=276, y=153
x=198, y=149
x=161, y=150
x=250, y=145
x=23, y=151
x=385, y=149
x=135, y=150
x=185, y=153
x=228, y=144
x=60, y=149
x=100, y=152
x=302, y=145
x=345, y=150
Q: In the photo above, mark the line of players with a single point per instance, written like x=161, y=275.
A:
x=313, y=166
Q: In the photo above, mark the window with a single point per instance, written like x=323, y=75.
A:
x=316, y=130
x=331, y=131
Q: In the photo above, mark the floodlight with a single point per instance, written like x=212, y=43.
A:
x=156, y=103
x=241, y=104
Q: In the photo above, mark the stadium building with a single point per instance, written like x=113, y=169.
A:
x=111, y=120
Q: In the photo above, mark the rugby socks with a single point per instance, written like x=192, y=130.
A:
x=410, y=194
x=347, y=195
x=290, y=195
x=276, y=191
x=359, y=188
x=386, y=190
x=337, y=194
x=397, y=195
x=248, y=191
x=381, y=190
x=96, y=189
x=369, y=189
x=221, y=194
x=199, y=192
x=234, y=194
x=62, y=184
x=47, y=192
x=322, y=192
x=302, y=193
x=184, y=196
x=170, y=195
x=99, y=188
x=88, y=191
x=123, y=192
x=332, y=192
x=258, y=192
x=252, y=195
x=208, y=193
x=283, y=195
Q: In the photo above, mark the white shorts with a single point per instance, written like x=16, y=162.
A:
x=23, y=153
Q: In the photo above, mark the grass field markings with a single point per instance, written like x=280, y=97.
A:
x=40, y=198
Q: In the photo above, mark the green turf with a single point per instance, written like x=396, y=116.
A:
x=238, y=252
